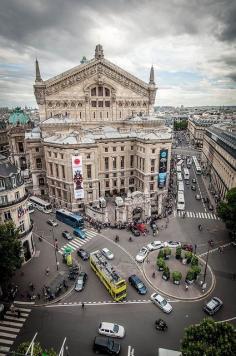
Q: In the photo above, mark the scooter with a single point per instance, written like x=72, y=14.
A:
x=161, y=325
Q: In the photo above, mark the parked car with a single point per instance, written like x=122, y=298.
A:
x=136, y=282
x=171, y=244
x=155, y=245
x=198, y=197
x=193, y=180
x=141, y=227
x=111, y=329
x=213, y=305
x=187, y=247
x=106, y=345
x=107, y=253
x=134, y=231
x=161, y=302
x=205, y=199
x=80, y=283
x=193, y=187
x=80, y=233
x=52, y=222
x=67, y=235
x=83, y=254
x=142, y=254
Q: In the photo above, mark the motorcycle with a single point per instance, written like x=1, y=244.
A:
x=160, y=324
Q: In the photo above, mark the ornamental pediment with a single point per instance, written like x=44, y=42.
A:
x=95, y=68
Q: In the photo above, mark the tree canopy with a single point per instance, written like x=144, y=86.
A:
x=10, y=251
x=38, y=350
x=227, y=210
x=209, y=338
x=181, y=125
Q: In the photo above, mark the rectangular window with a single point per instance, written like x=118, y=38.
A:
x=114, y=174
x=59, y=193
x=106, y=175
x=131, y=181
x=62, y=155
x=89, y=171
x=122, y=162
x=151, y=186
x=90, y=185
x=63, y=171
x=122, y=148
x=100, y=104
x=131, y=173
x=94, y=104
x=153, y=150
x=53, y=191
x=114, y=149
x=7, y=215
x=114, y=162
x=122, y=182
x=3, y=199
x=36, y=149
x=51, y=169
x=106, y=149
x=17, y=195
x=22, y=226
x=57, y=171
x=93, y=92
x=153, y=162
x=55, y=154
x=100, y=91
x=107, y=92
x=114, y=183
x=131, y=161
x=88, y=156
x=20, y=146
x=152, y=169
x=132, y=147
x=107, y=184
x=106, y=160
x=107, y=104
x=64, y=195
x=2, y=184
x=49, y=153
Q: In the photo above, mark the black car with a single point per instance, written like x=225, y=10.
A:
x=83, y=254
x=80, y=283
x=134, y=231
x=193, y=187
x=106, y=345
x=67, y=235
x=193, y=180
x=136, y=282
x=213, y=306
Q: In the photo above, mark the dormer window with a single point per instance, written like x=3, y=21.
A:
x=2, y=184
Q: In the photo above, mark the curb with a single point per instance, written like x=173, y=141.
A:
x=203, y=296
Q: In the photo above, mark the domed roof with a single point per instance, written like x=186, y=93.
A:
x=18, y=117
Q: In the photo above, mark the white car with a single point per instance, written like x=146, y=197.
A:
x=112, y=330
x=172, y=244
x=155, y=245
x=142, y=254
x=52, y=222
x=161, y=302
x=107, y=253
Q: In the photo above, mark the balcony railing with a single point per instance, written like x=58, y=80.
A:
x=14, y=202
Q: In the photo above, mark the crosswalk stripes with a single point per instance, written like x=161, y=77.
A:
x=77, y=242
x=196, y=215
x=10, y=327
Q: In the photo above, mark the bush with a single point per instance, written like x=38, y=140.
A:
x=161, y=263
x=176, y=275
x=167, y=252
x=178, y=253
x=38, y=350
x=190, y=276
x=160, y=254
x=196, y=270
x=194, y=261
x=188, y=256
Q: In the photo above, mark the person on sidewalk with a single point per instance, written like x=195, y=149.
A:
x=82, y=305
x=47, y=271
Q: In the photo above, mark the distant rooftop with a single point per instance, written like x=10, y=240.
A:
x=221, y=134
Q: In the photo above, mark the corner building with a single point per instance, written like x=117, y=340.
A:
x=99, y=136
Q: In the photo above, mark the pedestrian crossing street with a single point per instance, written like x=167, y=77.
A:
x=10, y=327
x=196, y=215
x=77, y=242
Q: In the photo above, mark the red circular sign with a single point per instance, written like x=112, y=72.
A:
x=77, y=161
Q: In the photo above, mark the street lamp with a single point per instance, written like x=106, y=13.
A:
x=204, y=277
x=55, y=248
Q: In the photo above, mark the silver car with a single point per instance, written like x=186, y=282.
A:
x=161, y=302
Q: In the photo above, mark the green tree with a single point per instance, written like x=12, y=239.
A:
x=160, y=254
x=176, y=275
x=38, y=350
x=227, y=210
x=194, y=261
x=209, y=338
x=10, y=252
x=178, y=252
x=161, y=263
x=196, y=270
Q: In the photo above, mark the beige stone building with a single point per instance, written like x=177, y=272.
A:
x=98, y=138
x=219, y=157
x=13, y=205
x=197, y=128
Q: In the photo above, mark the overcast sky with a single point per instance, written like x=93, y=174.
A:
x=191, y=43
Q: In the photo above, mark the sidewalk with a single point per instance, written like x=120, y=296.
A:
x=206, y=182
x=172, y=290
x=34, y=273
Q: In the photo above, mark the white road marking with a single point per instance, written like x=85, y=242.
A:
x=13, y=336
x=7, y=317
x=5, y=341
x=6, y=328
x=10, y=323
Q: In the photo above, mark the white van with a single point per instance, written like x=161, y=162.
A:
x=102, y=202
x=119, y=201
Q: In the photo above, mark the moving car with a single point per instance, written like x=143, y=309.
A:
x=193, y=187
x=171, y=244
x=106, y=345
x=161, y=302
x=67, y=235
x=136, y=282
x=111, y=329
x=198, y=197
x=193, y=180
x=107, y=253
x=83, y=254
x=80, y=233
x=140, y=257
x=52, y=222
x=155, y=245
x=80, y=283
x=213, y=305
x=187, y=182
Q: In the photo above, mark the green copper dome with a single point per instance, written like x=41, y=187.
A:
x=18, y=117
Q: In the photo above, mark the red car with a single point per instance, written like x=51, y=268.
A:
x=141, y=227
x=187, y=247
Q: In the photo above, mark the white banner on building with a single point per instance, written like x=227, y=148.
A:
x=77, y=170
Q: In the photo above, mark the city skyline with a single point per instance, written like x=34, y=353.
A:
x=190, y=45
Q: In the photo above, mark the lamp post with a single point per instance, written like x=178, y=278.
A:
x=204, y=277
x=55, y=248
